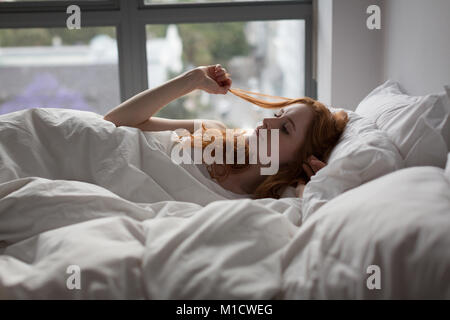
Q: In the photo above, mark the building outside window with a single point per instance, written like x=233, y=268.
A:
x=124, y=47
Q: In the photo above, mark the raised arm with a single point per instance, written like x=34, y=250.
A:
x=145, y=104
x=160, y=124
x=138, y=110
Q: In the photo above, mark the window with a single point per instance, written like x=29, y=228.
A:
x=59, y=68
x=147, y=2
x=262, y=56
x=126, y=46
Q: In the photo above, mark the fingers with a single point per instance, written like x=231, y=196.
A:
x=219, y=70
x=316, y=164
x=222, y=76
x=308, y=170
x=313, y=166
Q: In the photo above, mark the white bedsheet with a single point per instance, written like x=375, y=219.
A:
x=78, y=145
x=136, y=236
x=398, y=225
x=166, y=249
x=127, y=225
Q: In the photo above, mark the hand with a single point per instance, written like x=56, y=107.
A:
x=313, y=166
x=214, y=79
x=311, y=169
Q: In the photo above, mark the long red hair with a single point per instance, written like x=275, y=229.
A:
x=322, y=135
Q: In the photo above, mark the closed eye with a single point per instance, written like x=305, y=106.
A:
x=279, y=113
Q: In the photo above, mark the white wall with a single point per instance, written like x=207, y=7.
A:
x=323, y=48
x=356, y=58
x=417, y=44
x=348, y=53
x=412, y=47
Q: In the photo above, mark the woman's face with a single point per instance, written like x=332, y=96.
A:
x=293, y=122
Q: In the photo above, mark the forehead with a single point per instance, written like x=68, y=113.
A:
x=299, y=112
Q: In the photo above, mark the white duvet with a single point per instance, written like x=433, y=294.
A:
x=136, y=234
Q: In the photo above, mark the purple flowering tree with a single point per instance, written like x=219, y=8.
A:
x=44, y=91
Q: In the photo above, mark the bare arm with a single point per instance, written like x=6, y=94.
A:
x=138, y=111
x=142, y=106
x=160, y=124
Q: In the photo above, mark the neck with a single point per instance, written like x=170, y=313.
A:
x=244, y=182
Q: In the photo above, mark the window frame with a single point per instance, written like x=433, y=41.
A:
x=130, y=17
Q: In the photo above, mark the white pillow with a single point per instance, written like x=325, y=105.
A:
x=447, y=167
x=414, y=123
x=363, y=153
x=395, y=223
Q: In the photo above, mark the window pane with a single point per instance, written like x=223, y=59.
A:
x=59, y=68
x=149, y=2
x=261, y=56
x=49, y=0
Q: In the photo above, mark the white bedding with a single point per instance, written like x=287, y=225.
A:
x=399, y=223
x=135, y=235
x=150, y=241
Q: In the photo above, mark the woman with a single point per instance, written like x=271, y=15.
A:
x=308, y=131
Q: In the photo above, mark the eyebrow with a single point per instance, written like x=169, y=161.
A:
x=283, y=111
x=292, y=122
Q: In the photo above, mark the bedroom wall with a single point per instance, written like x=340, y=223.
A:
x=412, y=47
x=416, y=46
x=348, y=53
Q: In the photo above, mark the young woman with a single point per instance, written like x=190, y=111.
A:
x=308, y=131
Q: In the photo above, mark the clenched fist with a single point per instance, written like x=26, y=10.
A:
x=214, y=79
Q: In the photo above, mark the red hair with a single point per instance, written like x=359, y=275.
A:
x=322, y=136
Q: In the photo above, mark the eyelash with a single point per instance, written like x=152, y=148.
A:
x=283, y=128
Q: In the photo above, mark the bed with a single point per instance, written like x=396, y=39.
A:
x=86, y=212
